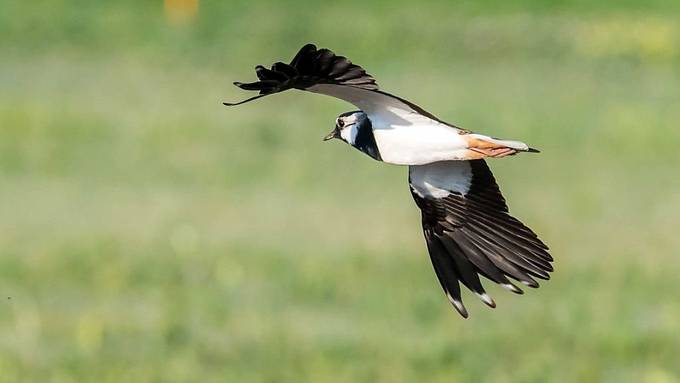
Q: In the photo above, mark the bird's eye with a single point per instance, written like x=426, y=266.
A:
x=341, y=123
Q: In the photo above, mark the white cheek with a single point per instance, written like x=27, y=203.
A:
x=349, y=134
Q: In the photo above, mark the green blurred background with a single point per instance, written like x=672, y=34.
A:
x=148, y=233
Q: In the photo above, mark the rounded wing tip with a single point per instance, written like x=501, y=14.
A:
x=487, y=299
x=458, y=305
x=512, y=288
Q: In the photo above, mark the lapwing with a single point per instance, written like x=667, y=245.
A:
x=468, y=229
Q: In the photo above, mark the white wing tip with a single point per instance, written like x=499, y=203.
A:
x=486, y=299
x=513, y=288
x=458, y=304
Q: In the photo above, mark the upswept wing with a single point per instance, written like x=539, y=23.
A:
x=322, y=71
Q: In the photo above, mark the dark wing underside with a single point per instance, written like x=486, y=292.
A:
x=473, y=234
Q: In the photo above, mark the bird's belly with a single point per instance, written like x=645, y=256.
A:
x=418, y=145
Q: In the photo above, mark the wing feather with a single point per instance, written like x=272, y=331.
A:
x=322, y=71
x=475, y=230
x=446, y=271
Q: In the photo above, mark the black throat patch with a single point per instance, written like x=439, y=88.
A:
x=365, y=140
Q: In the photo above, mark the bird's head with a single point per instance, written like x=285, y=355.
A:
x=347, y=126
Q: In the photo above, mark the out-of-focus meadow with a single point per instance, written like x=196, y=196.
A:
x=148, y=233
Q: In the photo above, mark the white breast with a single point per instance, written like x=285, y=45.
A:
x=417, y=144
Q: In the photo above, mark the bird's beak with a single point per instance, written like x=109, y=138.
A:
x=333, y=134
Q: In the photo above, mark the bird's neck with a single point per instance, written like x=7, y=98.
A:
x=365, y=140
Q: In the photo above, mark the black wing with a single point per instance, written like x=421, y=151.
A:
x=309, y=67
x=470, y=232
x=322, y=71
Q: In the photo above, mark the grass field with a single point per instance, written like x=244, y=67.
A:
x=147, y=233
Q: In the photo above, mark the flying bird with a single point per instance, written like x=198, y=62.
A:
x=467, y=226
